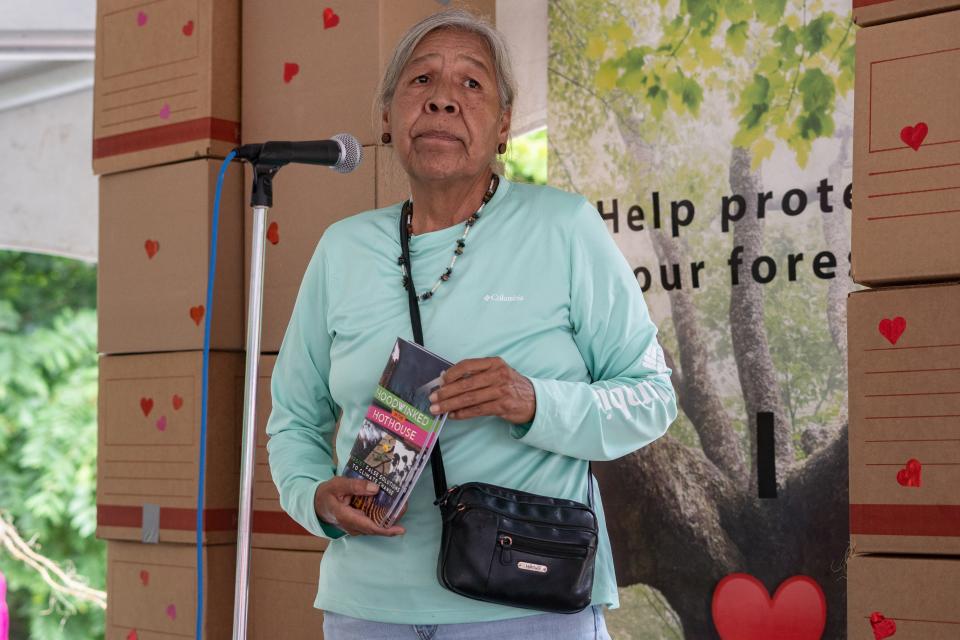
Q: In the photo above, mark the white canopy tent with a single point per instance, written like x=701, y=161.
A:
x=49, y=192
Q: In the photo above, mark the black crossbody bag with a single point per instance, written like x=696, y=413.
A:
x=507, y=546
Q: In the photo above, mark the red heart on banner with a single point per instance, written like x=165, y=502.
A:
x=146, y=405
x=330, y=19
x=882, y=627
x=290, y=69
x=909, y=475
x=197, y=314
x=151, y=246
x=188, y=28
x=913, y=136
x=892, y=329
x=743, y=610
x=177, y=402
x=273, y=233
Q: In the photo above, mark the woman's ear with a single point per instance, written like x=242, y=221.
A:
x=385, y=121
x=504, y=131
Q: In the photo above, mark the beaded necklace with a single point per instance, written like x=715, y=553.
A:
x=461, y=243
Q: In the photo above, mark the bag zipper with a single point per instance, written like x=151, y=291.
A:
x=541, y=547
x=466, y=506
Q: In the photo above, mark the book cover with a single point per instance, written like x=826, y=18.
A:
x=398, y=432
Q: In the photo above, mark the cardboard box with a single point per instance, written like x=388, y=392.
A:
x=283, y=586
x=906, y=173
x=148, y=446
x=904, y=395
x=155, y=227
x=311, y=70
x=272, y=527
x=871, y=12
x=152, y=589
x=903, y=598
x=306, y=200
x=166, y=82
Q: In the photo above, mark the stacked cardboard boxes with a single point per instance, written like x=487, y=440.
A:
x=904, y=356
x=167, y=110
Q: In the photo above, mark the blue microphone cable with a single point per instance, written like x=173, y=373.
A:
x=206, y=374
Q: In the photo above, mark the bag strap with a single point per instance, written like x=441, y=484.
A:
x=436, y=458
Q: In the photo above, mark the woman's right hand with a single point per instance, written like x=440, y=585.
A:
x=332, y=504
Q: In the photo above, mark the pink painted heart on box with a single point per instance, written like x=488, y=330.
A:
x=743, y=610
x=882, y=626
x=892, y=329
x=162, y=423
x=172, y=612
x=165, y=111
x=141, y=18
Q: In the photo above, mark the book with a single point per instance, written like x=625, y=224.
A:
x=398, y=432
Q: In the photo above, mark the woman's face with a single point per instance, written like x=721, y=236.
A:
x=445, y=117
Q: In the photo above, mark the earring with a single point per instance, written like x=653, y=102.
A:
x=502, y=148
x=385, y=138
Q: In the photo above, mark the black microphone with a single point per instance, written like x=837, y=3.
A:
x=342, y=153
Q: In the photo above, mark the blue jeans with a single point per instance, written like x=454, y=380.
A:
x=586, y=625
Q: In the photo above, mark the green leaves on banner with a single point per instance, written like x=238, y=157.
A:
x=770, y=12
x=782, y=65
x=737, y=37
x=815, y=36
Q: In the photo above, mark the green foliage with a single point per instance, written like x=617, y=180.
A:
x=48, y=434
x=526, y=158
x=793, y=59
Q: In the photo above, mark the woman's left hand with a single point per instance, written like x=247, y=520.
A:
x=485, y=387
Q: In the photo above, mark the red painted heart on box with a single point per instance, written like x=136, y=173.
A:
x=177, y=402
x=892, y=329
x=909, y=475
x=151, y=247
x=132, y=635
x=188, y=28
x=196, y=313
x=330, y=19
x=743, y=610
x=146, y=405
x=290, y=69
x=914, y=136
x=883, y=627
x=144, y=577
x=273, y=233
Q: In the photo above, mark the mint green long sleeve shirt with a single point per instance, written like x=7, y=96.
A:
x=542, y=285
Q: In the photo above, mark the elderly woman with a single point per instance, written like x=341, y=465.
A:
x=557, y=360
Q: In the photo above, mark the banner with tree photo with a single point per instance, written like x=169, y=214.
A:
x=715, y=138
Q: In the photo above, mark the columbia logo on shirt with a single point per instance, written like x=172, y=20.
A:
x=500, y=297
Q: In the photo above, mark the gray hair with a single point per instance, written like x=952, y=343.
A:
x=457, y=20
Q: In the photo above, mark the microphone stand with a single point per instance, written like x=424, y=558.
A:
x=261, y=200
